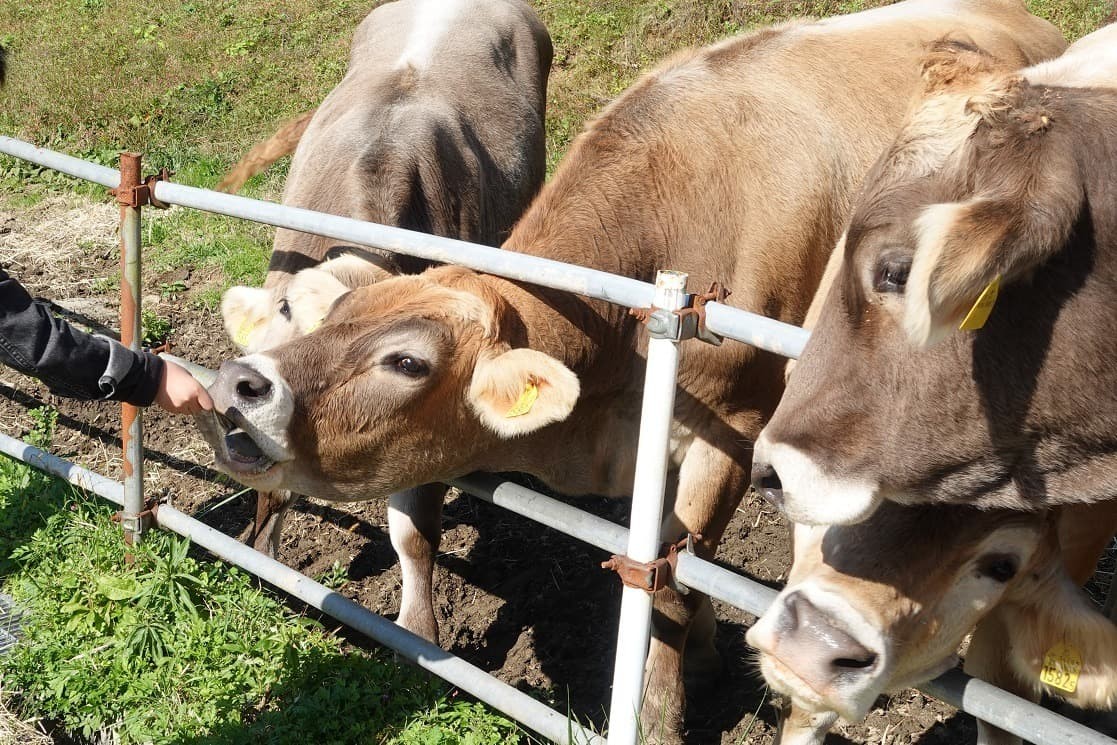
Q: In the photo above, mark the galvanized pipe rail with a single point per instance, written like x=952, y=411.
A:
x=983, y=700
x=733, y=323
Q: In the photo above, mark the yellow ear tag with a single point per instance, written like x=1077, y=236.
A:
x=244, y=332
x=1061, y=666
x=314, y=326
x=524, y=402
x=982, y=307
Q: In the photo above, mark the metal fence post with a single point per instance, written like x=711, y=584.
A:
x=656, y=414
x=128, y=196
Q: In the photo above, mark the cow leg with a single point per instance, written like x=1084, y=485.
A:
x=801, y=727
x=267, y=529
x=987, y=659
x=415, y=528
x=710, y=486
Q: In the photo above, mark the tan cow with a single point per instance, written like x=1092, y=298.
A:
x=735, y=163
x=998, y=181
x=884, y=605
x=437, y=126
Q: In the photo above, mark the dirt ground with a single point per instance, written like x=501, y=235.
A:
x=515, y=598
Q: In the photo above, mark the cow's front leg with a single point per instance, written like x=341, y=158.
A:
x=711, y=483
x=801, y=727
x=271, y=507
x=415, y=527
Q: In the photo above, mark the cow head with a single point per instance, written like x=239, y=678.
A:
x=884, y=604
x=259, y=318
x=919, y=383
x=412, y=380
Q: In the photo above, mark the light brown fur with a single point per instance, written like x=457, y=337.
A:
x=706, y=165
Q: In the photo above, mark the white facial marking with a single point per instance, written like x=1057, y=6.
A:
x=810, y=495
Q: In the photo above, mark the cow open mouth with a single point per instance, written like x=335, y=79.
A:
x=244, y=454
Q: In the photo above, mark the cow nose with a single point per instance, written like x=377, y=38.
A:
x=767, y=482
x=245, y=384
x=833, y=650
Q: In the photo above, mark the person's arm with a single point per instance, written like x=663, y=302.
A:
x=80, y=365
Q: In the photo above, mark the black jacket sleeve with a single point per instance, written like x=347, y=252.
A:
x=71, y=362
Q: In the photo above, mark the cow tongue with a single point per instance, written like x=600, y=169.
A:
x=242, y=447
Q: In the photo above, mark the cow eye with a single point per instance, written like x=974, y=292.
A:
x=998, y=567
x=410, y=366
x=892, y=274
x=285, y=309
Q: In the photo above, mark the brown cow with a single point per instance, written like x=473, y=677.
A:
x=996, y=178
x=884, y=604
x=734, y=163
x=437, y=126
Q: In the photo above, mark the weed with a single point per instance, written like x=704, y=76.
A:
x=171, y=290
x=336, y=576
x=156, y=329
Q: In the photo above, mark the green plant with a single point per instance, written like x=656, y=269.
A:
x=156, y=329
x=170, y=290
x=336, y=576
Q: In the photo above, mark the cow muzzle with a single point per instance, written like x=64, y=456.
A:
x=821, y=652
x=796, y=484
x=253, y=405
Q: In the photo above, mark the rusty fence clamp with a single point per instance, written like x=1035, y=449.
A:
x=652, y=576
x=142, y=194
x=688, y=322
x=143, y=521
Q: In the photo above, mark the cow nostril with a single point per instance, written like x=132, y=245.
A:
x=855, y=663
x=253, y=387
x=766, y=481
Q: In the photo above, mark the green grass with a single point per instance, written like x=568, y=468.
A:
x=175, y=649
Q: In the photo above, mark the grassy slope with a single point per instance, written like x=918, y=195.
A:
x=194, y=84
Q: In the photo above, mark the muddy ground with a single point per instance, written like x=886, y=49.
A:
x=515, y=598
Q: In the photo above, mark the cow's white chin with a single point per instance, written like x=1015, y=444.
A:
x=813, y=497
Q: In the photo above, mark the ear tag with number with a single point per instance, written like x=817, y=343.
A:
x=1061, y=666
x=524, y=402
x=244, y=332
x=982, y=307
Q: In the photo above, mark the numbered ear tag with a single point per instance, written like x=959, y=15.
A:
x=982, y=307
x=244, y=332
x=524, y=402
x=1061, y=667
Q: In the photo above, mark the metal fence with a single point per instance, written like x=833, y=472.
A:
x=640, y=542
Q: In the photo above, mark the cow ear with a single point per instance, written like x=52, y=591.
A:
x=313, y=291
x=965, y=251
x=1060, y=643
x=245, y=310
x=521, y=391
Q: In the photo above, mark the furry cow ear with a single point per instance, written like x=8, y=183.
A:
x=1061, y=644
x=313, y=291
x=966, y=250
x=522, y=390
x=245, y=310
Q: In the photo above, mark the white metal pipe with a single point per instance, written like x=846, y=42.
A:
x=537, y=716
x=733, y=323
x=656, y=414
x=107, y=177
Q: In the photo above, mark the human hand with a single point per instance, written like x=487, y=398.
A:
x=180, y=393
